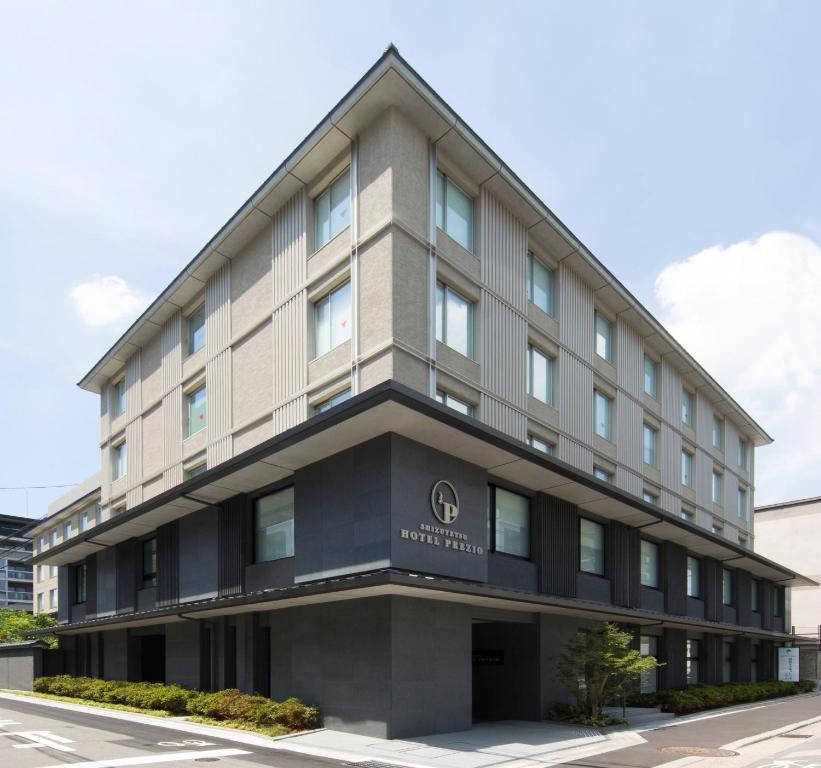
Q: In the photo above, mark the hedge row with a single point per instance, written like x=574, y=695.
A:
x=696, y=698
x=229, y=704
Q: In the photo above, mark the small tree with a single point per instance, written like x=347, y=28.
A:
x=15, y=626
x=601, y=666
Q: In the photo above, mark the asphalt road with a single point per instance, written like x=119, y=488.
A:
x=801, y=753
x=33, y=736
x=716, y=731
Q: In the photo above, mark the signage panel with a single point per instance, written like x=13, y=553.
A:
x=788, y=667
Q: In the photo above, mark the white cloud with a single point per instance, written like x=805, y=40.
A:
x=107, y=301
x=751, y=313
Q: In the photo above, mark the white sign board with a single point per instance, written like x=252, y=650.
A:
x=788, y=665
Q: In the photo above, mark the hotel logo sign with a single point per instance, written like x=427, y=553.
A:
x=444, y=502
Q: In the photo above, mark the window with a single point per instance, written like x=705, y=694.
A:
x=274, y=526
x=603, y=474
x=52, y=571
x=41, y=572
x=454, y=320
x=52, y=599
x=41, y=544
x=454, y=402
x=687, y=469
x=755, y=587
x=718, y=428
x=83, y=521
x=326, y=405
x=539, y=284
x=149, y=563
x=119, y=398
x=539, y=375
x=41, y=602
x=539, y=444
x=649, y=563
x=332, y=209
x=727, y=667
x=119, y=461
x=80, y=574
x=687, y=401
x=511, y=527
x=693, y=577
x=604, y=338
x=743, y=452
x=692, y=662
x=650, y=376
x=742, y=503
x=197, y=469
x=591, y=546
x=742, y=541
x=52, y=537
x=454, y=211
x=726, y=586
x=196, y=329
x=716, y=487
x=717, y=529
x=603, y=406
x=197, y=405
x=332, y=317
x=98, y=513
x=67, y=530
x=650, y=498
x=650, y=437
x=778, y=602
x=118, y=510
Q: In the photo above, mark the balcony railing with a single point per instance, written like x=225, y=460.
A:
x=27, y=596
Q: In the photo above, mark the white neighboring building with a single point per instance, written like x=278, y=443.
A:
x=790, y=533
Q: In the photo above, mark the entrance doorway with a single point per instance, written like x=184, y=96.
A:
x=152, y=658
x=505, y=671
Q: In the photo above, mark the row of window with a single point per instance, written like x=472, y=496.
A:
x=68, y=529
x=52, y=601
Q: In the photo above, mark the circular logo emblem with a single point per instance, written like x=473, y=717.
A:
x=444, y=502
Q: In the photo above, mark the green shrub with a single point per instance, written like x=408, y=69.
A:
x=228, y=705
x=574, y=713
x=696, y=698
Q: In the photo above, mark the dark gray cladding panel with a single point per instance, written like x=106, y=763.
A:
x=743, y=598
x=342, y=515
x=711, y=659
x=418, y=540
x=63, y=592
x=277, y=573
x=168, y=564
x=91, y=586
x=743, y=660
x=106, y=581
x=673, y=653
x=233, y=553
x=557, y=545
x=127, y=576
x=766, y=600
x=622, y=558
x=674, y=578
x=198, y=555
x=711, y=575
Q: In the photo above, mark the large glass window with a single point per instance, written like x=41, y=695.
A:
x=650, y=439
x=454, y=320
x=196, y=329
x=687, y=469
x=511, y=523
x=687, y=402
x=650, y=376
x=149, y=563
x=197, y=410
x=693, y=577
x=539, y=284
x=603, y=412
x=119, y=398
x=692, y=662
x=754, y=590
x=454, y=402
x=119, y=461
x=718, y=430
x=716, y=487
x=454, y=211
x=539, y=375
x=726, y=586
x=604, y=338
x=274, y=526
x=80, y=574
x=332, y=319
x=591, y=546
x=649, y=563
x=332, y=209
x=326, y=405
x=742, y=503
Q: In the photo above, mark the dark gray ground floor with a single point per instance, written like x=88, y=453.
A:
x=392, y=666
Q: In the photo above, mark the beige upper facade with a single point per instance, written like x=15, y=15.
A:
x=263, y=279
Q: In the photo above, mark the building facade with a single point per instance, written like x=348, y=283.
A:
x=395, y=423
x=788, y=532
x=15, y=565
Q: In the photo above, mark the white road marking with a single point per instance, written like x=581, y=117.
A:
x=186, y=743
x=4, y=723
x=165, y=757
x=41, y=739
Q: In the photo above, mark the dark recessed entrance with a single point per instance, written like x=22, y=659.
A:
x=152, y=658
x=505, y=671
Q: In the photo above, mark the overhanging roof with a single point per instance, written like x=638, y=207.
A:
x=395, y=408
x=391, y=81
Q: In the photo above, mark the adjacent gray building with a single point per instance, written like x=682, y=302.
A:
x=15, y=563
x=394, y=436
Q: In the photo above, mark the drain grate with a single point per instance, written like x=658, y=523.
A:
x=796, y=736
x=698, y=751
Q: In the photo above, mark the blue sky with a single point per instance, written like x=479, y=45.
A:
x=676, y=140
